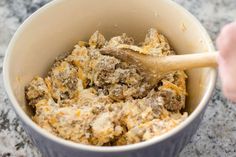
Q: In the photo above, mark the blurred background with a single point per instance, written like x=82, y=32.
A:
x=216, y=136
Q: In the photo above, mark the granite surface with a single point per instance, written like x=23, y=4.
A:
x=216, y=136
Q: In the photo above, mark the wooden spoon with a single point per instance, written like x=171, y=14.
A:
x=155, y=67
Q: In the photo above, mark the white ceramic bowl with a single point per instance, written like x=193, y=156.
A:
x=56, y=27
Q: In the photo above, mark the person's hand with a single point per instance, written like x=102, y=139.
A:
x=226, y=44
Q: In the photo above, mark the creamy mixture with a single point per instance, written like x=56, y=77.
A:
x=96, y=99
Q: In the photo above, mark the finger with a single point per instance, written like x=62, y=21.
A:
x=228, y=83
x=229, y=95
x=226, y=40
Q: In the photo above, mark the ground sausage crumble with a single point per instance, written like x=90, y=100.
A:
x=96, y=99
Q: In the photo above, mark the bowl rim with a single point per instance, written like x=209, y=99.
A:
x=104, y=149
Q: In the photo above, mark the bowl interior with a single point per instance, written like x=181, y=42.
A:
x=57, y=27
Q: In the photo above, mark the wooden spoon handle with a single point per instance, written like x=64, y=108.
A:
x=187, y=61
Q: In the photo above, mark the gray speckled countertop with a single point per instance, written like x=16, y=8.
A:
x=216, y=136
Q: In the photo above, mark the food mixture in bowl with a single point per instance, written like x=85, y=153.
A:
x=97, y=99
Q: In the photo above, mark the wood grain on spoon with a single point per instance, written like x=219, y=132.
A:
x=157, y=66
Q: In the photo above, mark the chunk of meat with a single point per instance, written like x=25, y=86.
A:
x=118, y=40
x=36, y=91
x=64, y=81
x=97, y=40
x=172, y=101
